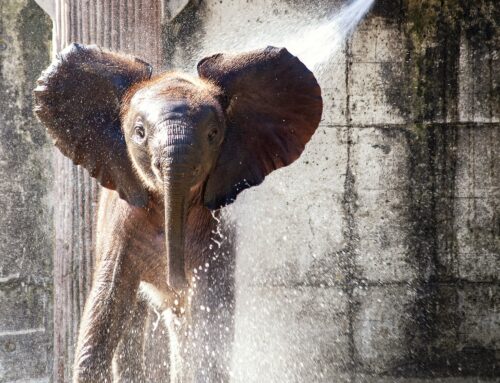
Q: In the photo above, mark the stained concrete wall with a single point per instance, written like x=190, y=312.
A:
x=25, y=213
x=375, y=257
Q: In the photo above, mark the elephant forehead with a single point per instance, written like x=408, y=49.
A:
x=171, y=85
x=173, y=97
x=156, y=110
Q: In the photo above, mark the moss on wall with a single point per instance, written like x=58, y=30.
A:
x=426, y=88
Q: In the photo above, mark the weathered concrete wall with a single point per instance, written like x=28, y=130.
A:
x=375, y=257
x=25, y=218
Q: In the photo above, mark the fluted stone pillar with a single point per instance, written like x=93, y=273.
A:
x=130, y=26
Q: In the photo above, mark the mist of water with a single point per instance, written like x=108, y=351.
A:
x=314, y=44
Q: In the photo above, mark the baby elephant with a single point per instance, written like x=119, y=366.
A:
x=169, y=150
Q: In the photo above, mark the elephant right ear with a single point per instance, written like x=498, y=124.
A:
x=78, y=99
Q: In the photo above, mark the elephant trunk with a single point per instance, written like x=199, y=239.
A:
x=176, y=192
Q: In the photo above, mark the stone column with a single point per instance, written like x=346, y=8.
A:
x=130, y=26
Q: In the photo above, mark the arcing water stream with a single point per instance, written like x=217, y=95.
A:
x=316, y=43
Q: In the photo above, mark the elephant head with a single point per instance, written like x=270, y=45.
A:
x=183, y=138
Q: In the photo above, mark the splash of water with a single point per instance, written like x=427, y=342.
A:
x=317, y=43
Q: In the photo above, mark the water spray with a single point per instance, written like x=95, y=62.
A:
x=314, y=44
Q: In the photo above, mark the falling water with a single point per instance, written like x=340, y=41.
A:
x=279, y=229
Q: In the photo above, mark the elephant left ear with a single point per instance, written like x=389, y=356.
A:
x=273, y=106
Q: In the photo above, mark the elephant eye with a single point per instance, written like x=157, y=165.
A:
x=212, y=134
x=139, y=133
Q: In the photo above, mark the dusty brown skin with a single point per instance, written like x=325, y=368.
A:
x=168, y=150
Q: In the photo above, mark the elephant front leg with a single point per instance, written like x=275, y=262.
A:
x=107, y=314
x=128, y=360
x=201, y=340
x=200, y=345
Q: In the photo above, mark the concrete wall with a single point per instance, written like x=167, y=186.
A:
x=25, y=213
x=375, y=257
